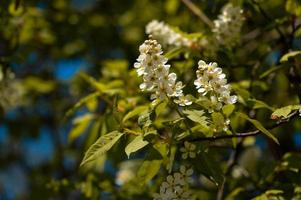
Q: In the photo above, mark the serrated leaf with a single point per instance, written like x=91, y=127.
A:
x=196, y=116
x=135, y=145
x=101, y=146
x=285, y=111
x=135, y=112
x=286, y=57
x=228, y=109
x=260, y=127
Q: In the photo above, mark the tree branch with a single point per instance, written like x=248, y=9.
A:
x=195, y=10
x=246, y=134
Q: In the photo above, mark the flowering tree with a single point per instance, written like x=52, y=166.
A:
x=209, y=111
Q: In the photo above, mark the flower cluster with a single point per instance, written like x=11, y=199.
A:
x=175, y=186
x=166, y=35
x=211, y=80
x=12, y=92
x=151, y=64
x=228, y=25
x=188, y=151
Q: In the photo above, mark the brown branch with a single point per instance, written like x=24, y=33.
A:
x=198, y=12
x=246, y=134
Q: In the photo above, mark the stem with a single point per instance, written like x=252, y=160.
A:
x=246, y=134
x=198, y=12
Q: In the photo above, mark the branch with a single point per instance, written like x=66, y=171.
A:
x=195, y=10
x=262, y=11
x=246, y=134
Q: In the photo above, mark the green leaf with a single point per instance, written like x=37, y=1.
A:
x=135, y=145
x=152, y=163
x=80, y=125
x=271, y=70
x=174, y=52
x=209, y=168
x=196, y=116
x=82, y=102
x=289, y=55
x=97, y=85
x=285, y=111
x=101, y=146
x=228, y=109
x=293, y=7
x=259, y=126
x=137, y=111
x=260, y=104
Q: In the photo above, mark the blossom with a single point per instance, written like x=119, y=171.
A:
x=175, y=186
x=166, y=35
x=212, y=82
x=228, y=25
x=188, y=150
x=12, y=92
x=157, y=79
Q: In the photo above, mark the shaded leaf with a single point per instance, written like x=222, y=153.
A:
x=135, y=112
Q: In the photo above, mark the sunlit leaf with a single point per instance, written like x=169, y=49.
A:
x=101, y=146
x=259, y=126
x=135, y=145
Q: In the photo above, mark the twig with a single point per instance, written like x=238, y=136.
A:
x=246, y=134
x=262, y=11
x=195, y=10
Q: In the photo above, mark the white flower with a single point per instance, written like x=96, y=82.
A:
x=212, y=82
x=228, y=25
x=12, y=91
x=176, y=186
x=151, y=65
x=166, y=35
x=188, y=150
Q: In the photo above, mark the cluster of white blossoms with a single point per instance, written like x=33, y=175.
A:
x=211, y=81
x=176, y=186
x=12, y=92
x=151, y=64
x=228, y=25
x=166, y=35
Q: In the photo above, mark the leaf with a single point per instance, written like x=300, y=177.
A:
x=137, y=111
x=210, y=168
x=293, y=7
x=260, y=104
x=135, y=145
x=196, y=116
x=152, y=163
x=82, y=102
x=284, y=111
x=81, y=124
x=97, y=85
x=271, y=70
x=228, y=109
x=259, y=126
x=287, y=56
x=101, y=146
x=174, y=52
